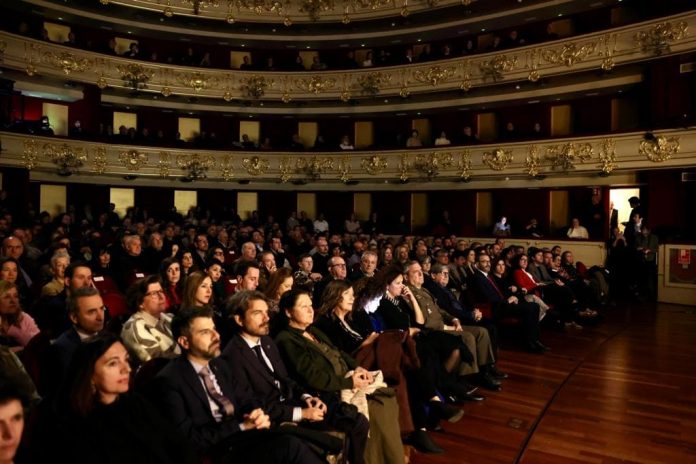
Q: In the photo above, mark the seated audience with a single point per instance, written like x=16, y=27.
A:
x=147, y=333
x=228, y=425
x=16, y=326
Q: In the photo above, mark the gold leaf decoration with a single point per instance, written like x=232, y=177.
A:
x=431, y=163
x=99, y=159
x=659, y=38
x=30, y=153
x=227, y=168
x=67, y=62
x=659, y=148
x=133, y=160
x=255, y=165
x=607, y=156
x=569, y=54
x=315, y=84
x=374, y=164
x=498, y=159
x=533, y=161
x=565, y=156
x=164, y=163
x=434, y=75
x=464, y=165
x=496, y=67
x=285, y=167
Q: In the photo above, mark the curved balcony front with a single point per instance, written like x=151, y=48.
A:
x=597, y=160
x=601, y=51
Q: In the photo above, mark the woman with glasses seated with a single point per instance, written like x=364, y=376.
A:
x=148, y=332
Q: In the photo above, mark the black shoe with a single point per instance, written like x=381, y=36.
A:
x=488, y=382
x=542, y=346
x=446, y=412
x=465, y=397
x=466, y=385
x=423, y=443
x=496, y=374
x=532, y=347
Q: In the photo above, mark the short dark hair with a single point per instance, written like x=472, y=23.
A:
x=437, y=268
x=238, y=304
x=14, y=387
x=135, y=295
x=181, y=324
x=75, y=295
x=289, y=298
x=244, y=266
x=70, y=270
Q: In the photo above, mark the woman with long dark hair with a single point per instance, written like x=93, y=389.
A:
x=101, y=422
x=172, y=283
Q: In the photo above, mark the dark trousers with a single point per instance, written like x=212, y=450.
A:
x=264, y=447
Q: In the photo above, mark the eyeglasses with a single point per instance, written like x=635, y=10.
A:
x=155, y=292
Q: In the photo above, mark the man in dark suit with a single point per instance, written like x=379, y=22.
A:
x=210, y=406
x=488, y=292
x=86, y=312
x=254, y=357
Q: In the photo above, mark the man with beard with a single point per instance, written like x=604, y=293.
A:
x=254, y=357
x=213, y=408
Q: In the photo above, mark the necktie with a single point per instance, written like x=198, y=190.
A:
x=500, y=294
x=259, y=354
x=221, y=400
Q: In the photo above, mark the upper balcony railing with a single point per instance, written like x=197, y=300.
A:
x=289, y=11
x=572, y=161
x=604, y=51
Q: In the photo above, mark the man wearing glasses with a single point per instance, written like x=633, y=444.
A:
x=148, y=332
x=337, y=271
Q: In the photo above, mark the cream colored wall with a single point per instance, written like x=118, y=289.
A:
x=184, y=200
x=57, y=32
x=308, y=132
x=307, y=202
x=362, y=205
x=57, y=117
x=561, y=120
x=250, y=128
x=52, y=198
x=484, y=211
x=246, y=203
x=189, y=128
x=123, y=198
x=419, y=209
x=124, y=119
x=558, y=204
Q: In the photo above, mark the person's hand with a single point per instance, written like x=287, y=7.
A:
x=477, y=315
x=457, y=325
x=316, y=402
x=256, y=419
x=370, y=338
x=370, y=377
x=513, y=289
x=360, y=380
x=513, y=300
x=175, y=250
x=406, y=293
x=559, y=282
x=312, y=414
x=315, y=276
x=412, y=331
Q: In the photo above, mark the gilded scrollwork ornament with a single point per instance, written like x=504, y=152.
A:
x=374, y=164
x=533, y=161
x=195, y=166
x=607, y=156
x=659, y=148
x=569, y=54
x=403, y=166
x=164, y=164
x=464, y=165
x=498, y=159
x=434, y=75
x=197, y=81
x=66, y=157
x=133, y=160
x=255, y=86
x=431, y=163
x=30, y=154
x=285, y=167
x=344, y=168
x=314, y=167
x=227, y=168
x=135, y=76
x=564, y=157
x=496, y=67
x=371, y=84
x=255, y=165
x=99, y=159
x=315, y=84
x=658, y=39
x=67, y=62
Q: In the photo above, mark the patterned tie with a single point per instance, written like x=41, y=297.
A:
x=221, y=400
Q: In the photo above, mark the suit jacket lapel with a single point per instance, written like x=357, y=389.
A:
x=192, y=380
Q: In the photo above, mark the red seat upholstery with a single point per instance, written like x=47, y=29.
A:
x=116, y=304
x=105, y=284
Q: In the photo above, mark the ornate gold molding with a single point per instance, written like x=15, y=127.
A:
x=30, y=153
x=434, y=74
x=374, y=164
x=464, y=165
x=227, y=168
x=659, y=37
x=255, y=86
x=67, y=62
x=135, y=76
x=315, y=84
x=372, y=83
x=133, y=160
x=66, y=157
x=607, y=156
x=430, y=164
x=99, y=159
x=659, y=148
x=498, y=159
x=315, y=166
x=195, y=166
x=497, y=66
x=533, y=161
x=255, y=165
x=565, y=156
x=570, y=54
x=164, y=163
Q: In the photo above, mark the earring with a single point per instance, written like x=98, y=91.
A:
x=94, y=387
